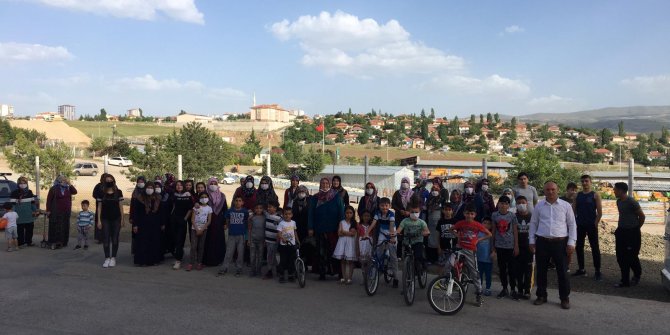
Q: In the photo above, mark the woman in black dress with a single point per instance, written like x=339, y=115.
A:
x=147, y=227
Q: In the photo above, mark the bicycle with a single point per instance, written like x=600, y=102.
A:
x=378, y=263
x=299, y=264
x=409, y=273
x=446, y=293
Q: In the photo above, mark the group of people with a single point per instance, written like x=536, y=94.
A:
x=333, y=236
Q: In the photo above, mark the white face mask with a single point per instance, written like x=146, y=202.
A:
x=435, y=193
x=521, y=207
x=158, y=190
x=140, y=185
x=469, y=190
x=369, y=191
x=414, y=215
x=213, y=188
x=301, y=195
x=429, y=186
x=265, y=186
x=485, y=188
x=404, y=186
x=23, y=186
x=150, y=191
x=444, y=185
x=204, y=200
x=249, y=184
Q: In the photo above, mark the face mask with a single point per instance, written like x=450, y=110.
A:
x=301, y=195
x=158, y=190
x=213, y=188
x=140, y=185
x=265, y=186
x=109, y=184
x=204, y=200
x=435, y=193
x=404, y=186
x=249, y=184
x=485, y=188
x=469, y=190
x=444, y=185
x=521, y=207
x=414, y=215
x=150, y=191
x=63, y=183
x=429, y=186
x=369, y=191
x=23, y=186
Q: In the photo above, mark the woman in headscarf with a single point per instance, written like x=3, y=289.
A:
x=483, y=200
x=169, y=184
x=181, y=202
x=369, y=202
x=25, y=205
x=266, y=192
x=300, y=210
x=98, y=192
x=508, y=192
x=456, y=202
x=290, y=192
x=110, y=220
x=401, y=202
x=167, y=244
x=336, y=184
x=140, y=183
x=59, y=207
x=248, y=192
x=325, y=212
x=215, y=241
x=434, y=214
x=468, y=195
x=147, y=227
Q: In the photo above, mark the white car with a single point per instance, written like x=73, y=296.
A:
x=119, y=161
x=229, y=179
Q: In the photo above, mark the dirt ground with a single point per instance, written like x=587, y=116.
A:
x=55, y=130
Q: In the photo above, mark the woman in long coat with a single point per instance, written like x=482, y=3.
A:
x=59, y=208
x=147, y=227
x=326, y=210
x=215, y=241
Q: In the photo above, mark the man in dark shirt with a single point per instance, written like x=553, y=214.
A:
x=628, y=236
x=588, y=212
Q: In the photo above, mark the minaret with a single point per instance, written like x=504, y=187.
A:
x=254, y=102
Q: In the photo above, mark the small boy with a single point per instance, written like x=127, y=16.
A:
x=85, y=220
x=468, y=237
x=506, y=246
x=236, y=219
x=271, y=222
x=288, y=242
x=11, y=230
x=524, y=262
x=447, y=238
x=256, y=239
x=385, y=218
x=416, y=229
x=484, y=260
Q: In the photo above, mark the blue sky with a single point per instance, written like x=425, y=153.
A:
x=209, y=57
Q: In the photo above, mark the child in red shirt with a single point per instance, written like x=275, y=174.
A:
x=468, y=231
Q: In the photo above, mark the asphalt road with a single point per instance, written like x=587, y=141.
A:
x=68, y=292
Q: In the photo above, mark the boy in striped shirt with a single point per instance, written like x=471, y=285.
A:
x=272, y=220
x=84, y=222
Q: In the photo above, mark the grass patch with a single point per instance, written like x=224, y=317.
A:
x=95, y=129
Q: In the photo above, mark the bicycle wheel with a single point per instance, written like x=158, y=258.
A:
x=371, y=277
x=300, y=271
x=408, y=281
x=444, y=299
x=423, y=278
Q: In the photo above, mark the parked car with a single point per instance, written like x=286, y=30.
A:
x=6, y=188
x=85, y=169
x=229, y=179
x=119, y=161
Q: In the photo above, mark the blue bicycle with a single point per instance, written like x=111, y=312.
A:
x=379, y=262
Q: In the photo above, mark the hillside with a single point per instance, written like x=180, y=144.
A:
x=56, y=130
x=636, y=118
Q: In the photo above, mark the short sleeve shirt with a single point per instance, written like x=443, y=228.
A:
x=237, y=221
x=11, y=219
x=201, y=214
x=467, y=234
x=287, y=231
x=628, y=209
x=385, y=221
x=413, y=228
x=504, y=229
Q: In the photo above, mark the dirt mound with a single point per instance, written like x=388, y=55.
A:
x=55, y=130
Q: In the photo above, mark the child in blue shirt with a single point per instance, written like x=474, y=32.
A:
x=484, y=262
x=236, y=222
x=85, y=220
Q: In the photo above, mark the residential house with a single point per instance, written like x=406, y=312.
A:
x=607, y=155
x=186, y=118
x=555, y=129
x=342, y=126
x=418, y=143
x=618, y=139
x=631, y=137
x=463, y=128
x=377, y=124
x=331, y=137
x=350, y=138
x=656, y=155
x=356, y=129
x=592, y=139
x=520, y=128
x=572, y=133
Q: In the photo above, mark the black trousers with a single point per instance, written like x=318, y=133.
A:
x=506, y=267
x=628, y=243
x=286, y=259
x=25, y=232
x=179, y=228
x=523, y=268
x=556, y=250
x=592, y=232
x=110, y=235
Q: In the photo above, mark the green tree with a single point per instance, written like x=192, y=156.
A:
x=251, y=147
x=432, y=114
x=481, y=118
x=489, y=118
x=542, y=165
x=496, y=118
x=279, y=165
x=55, y=159
x=622, y=131
x=664, y=136
x=292, y=152
x=377, y=161
x=363, y=137
x=513, y=123
x=314, y=164
x=182, y=112
x=605, y=136
x=98, y=144
x=472, y=120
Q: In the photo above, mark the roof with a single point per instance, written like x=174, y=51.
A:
x=474, y=164
x=359, y=170
x=272, y=106
x=624, y=175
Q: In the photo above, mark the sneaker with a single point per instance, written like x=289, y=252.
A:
x=479, y=300
x=112, y=262
x=598, y=276
x=222, y=272
x=579, y=273
x=487, y=292
x=526, y=295
x=634, y=281
x=85, y=247
x=565, y=304
x=395, y=283
x=189, y=267
x=77, y=247
x=502, y=294
x=106, y=263
x=176, y=266
x=10, y=249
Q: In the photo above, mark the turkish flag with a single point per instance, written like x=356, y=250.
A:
x=319, y=128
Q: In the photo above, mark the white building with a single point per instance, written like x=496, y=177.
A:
x=386, y=178
x=6, y=110
x=67, y=112
x=133, y=113
x=186, y=118
x=272, y=112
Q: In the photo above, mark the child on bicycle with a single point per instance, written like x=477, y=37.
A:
x=364, y=233
x=384, y=222
x=415, y=230
x=447, y=237
x=468, y=237
x=288, y=242
x=345, y=250
x=484, y=257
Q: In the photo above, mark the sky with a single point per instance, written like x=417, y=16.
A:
x=211, y=57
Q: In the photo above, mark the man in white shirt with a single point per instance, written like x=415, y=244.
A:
x=553, y=234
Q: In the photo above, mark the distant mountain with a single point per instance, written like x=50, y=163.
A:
x=636, y=118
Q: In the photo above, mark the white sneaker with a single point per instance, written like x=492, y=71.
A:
x=177, y=265
x=112, y=262
x=106, y=263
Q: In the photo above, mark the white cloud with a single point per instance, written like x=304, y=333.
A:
x=491, y=85
x=149, y=83
x=649, y=84
x=180, y=10
x=343, y=43
x=18, y=52
x=549, y=100
x=226, y=93
x=513, y=29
